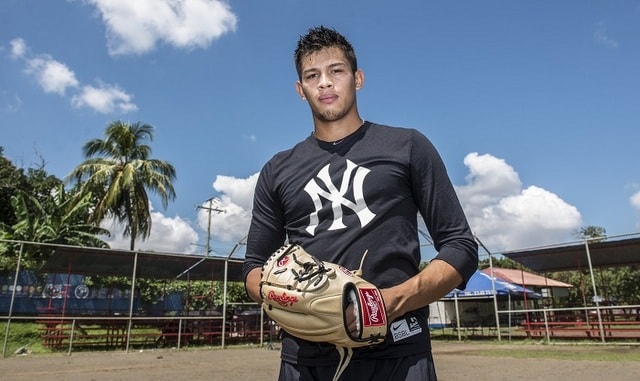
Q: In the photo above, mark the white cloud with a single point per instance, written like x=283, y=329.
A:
x=236, y=202
x=635, y=200
x=239, y=190
x=168, y=235
x=104, y=99
x=136, y=27
x=52, y=76
x=55, y=77
x=601, y=36
x=506, y=216
x=489, y=180
x=11, y=103
x=18, y=48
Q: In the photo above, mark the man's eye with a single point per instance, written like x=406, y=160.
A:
x=311, y=76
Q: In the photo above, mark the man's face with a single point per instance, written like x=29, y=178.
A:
x=328, y=84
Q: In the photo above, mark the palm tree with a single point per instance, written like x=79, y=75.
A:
x=592, y=233
x=119, y=172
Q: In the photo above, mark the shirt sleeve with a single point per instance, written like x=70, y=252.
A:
x=267, y=229
x=441, y=210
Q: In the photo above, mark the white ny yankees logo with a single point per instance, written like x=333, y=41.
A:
x=336, y=196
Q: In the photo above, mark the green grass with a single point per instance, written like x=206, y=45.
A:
x=22, y=335
x=568, y=352
x=26, y=335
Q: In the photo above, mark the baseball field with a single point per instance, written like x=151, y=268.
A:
x=455, y=361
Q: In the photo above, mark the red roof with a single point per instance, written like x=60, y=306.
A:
x=524, y=278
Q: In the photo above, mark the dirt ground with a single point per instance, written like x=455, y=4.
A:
x=454, y=362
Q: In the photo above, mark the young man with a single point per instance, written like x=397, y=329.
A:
x=356, y=186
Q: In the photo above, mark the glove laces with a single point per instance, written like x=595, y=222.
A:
x=345, y=358
x=309, y=270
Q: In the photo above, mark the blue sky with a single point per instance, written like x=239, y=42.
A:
x=533, y=105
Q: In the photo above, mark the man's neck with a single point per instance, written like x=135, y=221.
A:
x=336, y=130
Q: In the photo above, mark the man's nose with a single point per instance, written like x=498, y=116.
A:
x=325, y=81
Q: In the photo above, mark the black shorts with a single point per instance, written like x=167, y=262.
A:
x=418, y=367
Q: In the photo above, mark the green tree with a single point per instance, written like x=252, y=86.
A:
x=59, y=220
x=119, y=172
x=206, y=295
x=501, y=262
x=12, y=179
x=619, y=285
x=597, y=233
x=35, y=181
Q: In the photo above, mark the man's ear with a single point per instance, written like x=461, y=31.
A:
x=359, y=79
x=299, y=90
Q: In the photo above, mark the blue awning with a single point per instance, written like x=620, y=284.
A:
x=481, y=286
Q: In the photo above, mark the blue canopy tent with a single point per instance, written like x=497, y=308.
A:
x=482, y=286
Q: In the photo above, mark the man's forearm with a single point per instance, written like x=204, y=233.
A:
x=429, y=285
x=252, y=284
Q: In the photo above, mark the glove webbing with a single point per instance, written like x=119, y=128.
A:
x=307, y=272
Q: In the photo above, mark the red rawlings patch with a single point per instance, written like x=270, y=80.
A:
x=372, y=306
x=283, y=300
x=283, y=261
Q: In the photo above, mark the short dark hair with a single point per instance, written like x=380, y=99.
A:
x=319, y=38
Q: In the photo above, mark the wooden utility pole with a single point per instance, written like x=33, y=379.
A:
x=210, y=209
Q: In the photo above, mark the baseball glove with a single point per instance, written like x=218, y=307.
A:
x=308, y=298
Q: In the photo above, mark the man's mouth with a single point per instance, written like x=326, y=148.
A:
x=328, y=98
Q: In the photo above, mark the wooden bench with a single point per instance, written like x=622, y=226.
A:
x=60, y=333
x=611, y=329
